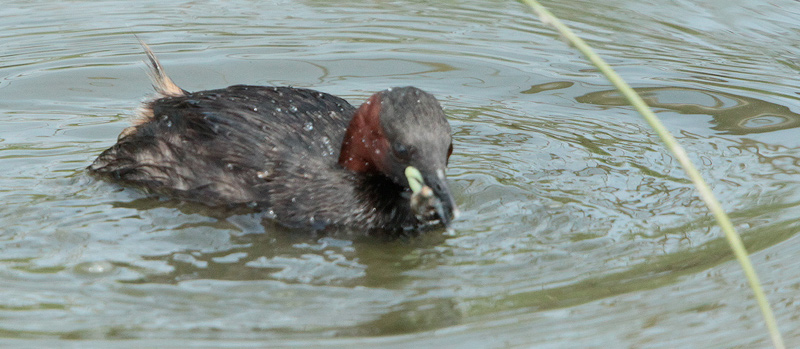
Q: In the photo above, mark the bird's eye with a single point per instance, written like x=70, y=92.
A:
x=401, y=151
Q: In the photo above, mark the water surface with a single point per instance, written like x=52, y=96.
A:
x=578, y=227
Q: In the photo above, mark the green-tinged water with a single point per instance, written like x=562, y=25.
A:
x=579, y=229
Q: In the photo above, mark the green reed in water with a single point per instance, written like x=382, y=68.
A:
x=705, y=192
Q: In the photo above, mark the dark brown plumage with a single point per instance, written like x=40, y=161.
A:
x=289, y=151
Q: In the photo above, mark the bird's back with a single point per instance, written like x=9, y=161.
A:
x=228, y=146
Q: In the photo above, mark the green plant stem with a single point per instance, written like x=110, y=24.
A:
x=705, y=192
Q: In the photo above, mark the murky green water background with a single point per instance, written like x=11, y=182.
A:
x=579, y=229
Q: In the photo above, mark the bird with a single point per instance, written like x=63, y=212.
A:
x=307, y=158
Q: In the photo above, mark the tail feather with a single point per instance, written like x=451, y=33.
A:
x=161, y=82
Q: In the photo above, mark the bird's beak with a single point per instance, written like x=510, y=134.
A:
x=431, y=196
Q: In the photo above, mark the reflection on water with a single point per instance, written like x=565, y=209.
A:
x=733, y=114
x=578, y=227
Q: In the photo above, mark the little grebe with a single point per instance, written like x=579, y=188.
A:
x=309, y=158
